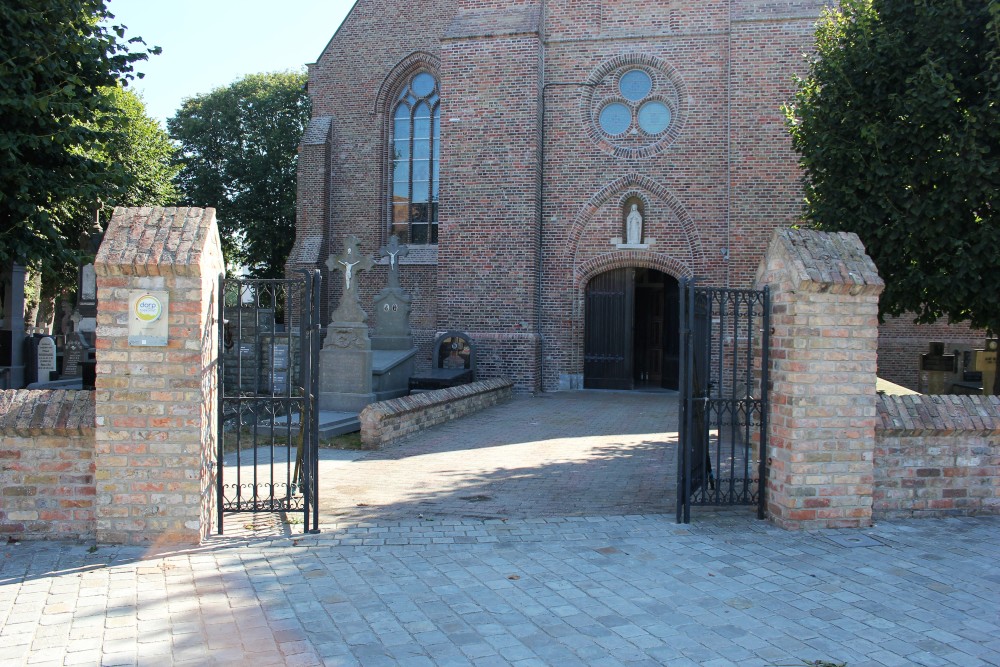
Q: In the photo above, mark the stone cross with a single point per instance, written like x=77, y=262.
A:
x=395, y=252
x=349, y=262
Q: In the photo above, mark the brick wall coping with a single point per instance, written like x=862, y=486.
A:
x=28, y=412
x=828, y=262
x=385, y=422
x=396, y=407
x=920, y=414
x=152, y=241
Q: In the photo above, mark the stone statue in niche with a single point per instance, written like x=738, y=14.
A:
x=633, y=226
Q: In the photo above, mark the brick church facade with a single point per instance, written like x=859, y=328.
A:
x=507, y=142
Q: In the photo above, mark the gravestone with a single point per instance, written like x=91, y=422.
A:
x=73, y=353
x=394, y=355
x=12, y=370
x=392, y=305
x=45, y=359
x=279, y=367
x=345, y=381
x=938, y=366
x=454, y=363
x=86, y=306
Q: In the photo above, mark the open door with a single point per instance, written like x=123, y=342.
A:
x=608, y=333
x=631, y=340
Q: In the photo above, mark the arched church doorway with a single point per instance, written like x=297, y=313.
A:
x=631, y=330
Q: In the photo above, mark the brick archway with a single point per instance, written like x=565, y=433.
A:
x=635, y=184
x=620, y=259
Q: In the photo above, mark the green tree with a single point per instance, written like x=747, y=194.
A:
x=137, y=152
x=239, y=147
x=56, y=56
x=898, y=133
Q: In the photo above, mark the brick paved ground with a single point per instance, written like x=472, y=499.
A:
x=552, y=455
x=548, y=590
x=637, y=590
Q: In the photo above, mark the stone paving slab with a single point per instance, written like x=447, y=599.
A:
x=598, y=590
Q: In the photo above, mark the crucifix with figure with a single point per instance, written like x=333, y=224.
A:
x=349, y=262
x=395, y=252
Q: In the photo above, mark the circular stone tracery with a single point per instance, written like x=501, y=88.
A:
x=634, y=108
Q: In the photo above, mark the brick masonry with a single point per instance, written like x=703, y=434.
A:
x=821, y=433
x=47, y=480
x=387, y=421
x=531, y=189
x=156, y=406
x=937, y=456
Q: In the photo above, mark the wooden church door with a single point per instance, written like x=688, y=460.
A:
x=608, y=334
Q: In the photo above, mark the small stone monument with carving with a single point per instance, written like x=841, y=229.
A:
x=392, y=305
x=392, y=343
x=345, y=381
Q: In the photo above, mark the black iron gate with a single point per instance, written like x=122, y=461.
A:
x=725, y=337
x=268, y=385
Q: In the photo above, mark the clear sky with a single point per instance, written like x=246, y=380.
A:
x=211, y=43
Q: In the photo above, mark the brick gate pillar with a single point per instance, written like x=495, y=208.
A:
x=155, y=401
x=824, y=319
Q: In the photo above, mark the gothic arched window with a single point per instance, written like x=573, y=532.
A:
x=415, y=150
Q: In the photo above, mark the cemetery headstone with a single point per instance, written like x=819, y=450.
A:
x=73, y=355
x=345, y=383
x=12, y=325
x=392, y=305
x=938, y=366
x=45, y=359
x=394, y=356
x=86, y=305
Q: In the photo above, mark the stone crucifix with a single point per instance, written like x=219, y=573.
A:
x=350, y=261
x=395, y=252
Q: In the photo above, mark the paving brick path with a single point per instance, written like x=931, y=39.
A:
x=444, y=590
x=727, y=590
x=584, y=453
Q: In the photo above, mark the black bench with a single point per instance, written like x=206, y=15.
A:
x=454, y=363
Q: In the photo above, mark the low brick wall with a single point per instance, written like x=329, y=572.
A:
x=47, y=486
x=937, y=456
x=387, y=421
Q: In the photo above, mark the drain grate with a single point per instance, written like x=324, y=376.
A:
x=854, y=541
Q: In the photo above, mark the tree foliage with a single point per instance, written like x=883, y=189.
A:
x=58, y=122
x=898, y=133
x=137, y=152
x=239, y=147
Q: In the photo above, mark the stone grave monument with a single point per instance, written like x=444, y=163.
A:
x=345, y=381
x=73, y=354
x=45, y=360
x=392, y=343
x=86, y=305
x=12, y=327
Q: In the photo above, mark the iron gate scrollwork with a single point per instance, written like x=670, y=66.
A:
x=725, y=338
x=268, y=437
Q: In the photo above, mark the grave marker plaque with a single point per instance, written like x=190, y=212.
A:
x=46, y=359
x=72, y=356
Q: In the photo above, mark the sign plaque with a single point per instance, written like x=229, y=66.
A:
x=147, y=318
